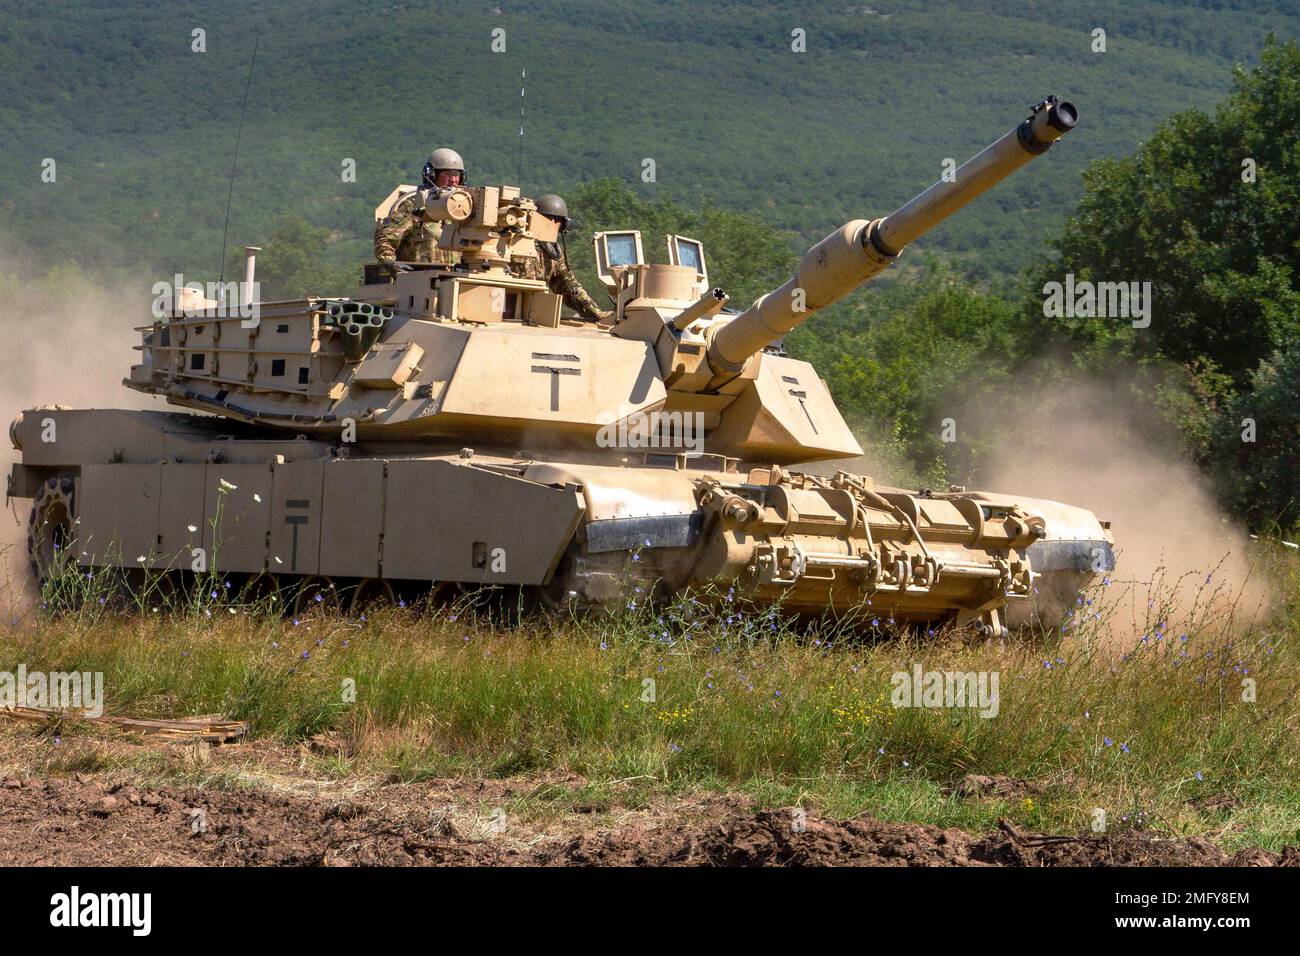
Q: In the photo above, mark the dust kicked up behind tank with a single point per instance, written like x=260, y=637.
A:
x=449, y=425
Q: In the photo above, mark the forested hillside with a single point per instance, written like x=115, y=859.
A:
x=142, y=128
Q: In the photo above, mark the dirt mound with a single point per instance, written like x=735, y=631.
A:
x=75, y=822
x=771, y=838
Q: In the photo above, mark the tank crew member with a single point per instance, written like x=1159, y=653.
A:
x=555, y=264
x=404, y=236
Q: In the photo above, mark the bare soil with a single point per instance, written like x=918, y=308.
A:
x=81, y=821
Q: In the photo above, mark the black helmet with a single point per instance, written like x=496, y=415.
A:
x=555, y=207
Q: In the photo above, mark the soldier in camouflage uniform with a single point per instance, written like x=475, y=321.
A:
x=555, y=264
x=404, y=236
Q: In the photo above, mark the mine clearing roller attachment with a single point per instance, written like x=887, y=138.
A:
x=810, y=541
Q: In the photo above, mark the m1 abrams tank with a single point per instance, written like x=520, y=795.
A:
x=449, y=425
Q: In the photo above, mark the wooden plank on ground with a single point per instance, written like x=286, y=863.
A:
x=211, y=729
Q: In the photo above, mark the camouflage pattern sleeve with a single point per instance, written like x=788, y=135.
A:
x=561, y=280
x=448, y=257
x=391, y=232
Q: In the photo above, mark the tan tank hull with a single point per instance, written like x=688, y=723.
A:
x=165, y=490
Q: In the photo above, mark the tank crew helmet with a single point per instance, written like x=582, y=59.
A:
x=441, y=160
x=554, y=207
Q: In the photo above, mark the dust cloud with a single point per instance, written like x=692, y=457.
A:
x=66, y=339
x=1101, y=445
x=1098, y=442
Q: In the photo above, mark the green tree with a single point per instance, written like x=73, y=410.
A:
x=1255, y=441
x=1206, y=212
x=295, y=263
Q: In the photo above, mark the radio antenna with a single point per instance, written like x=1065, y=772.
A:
x=519, y=168
x=230, y=195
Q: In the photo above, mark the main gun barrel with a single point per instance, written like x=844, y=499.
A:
x=859, y=250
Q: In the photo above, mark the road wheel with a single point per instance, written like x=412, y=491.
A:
x=162, y=590
x=316, y=595
x=370, y=595
x=262, y=592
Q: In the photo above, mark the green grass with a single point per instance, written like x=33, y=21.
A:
x=749, y=706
